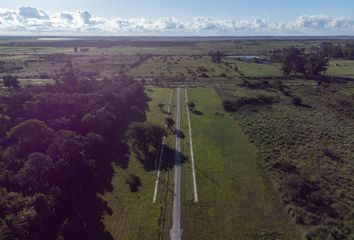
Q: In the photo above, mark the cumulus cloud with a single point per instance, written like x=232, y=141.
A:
x=30, y=12
x=27, y=20
x=322, y=23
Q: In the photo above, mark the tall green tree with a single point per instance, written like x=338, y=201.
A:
x=36, y=173
x=30, y=136
x=315, y=65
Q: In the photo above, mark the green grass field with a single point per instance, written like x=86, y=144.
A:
x=259, y=70
x=235, y=200
x=134, y=216
x=343, y=68
x=187, y=66
x=242, y=193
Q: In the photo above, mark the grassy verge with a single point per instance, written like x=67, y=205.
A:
x=133, y=215
x=235, y=201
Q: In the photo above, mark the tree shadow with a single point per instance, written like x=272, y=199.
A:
x=150, y=161
x=82, y=210
x=134, y=182
x=161, y=107
x=304, y=105
x=179, y=133
x=197, y=112
x=84, y=221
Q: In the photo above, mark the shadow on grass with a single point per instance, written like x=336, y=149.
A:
x=179, y=133
x=82, y=210
x=197, y=112
x=151, y=160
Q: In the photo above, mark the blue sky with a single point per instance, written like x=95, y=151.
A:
x=186, y=9
x=253, y=17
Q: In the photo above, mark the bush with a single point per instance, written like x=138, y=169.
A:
x=324, y=233
x=329, y=153
x=204, y=75
x=191, y=105
x=44, y=76
x=145, y=139
x=297, y=101
x=286, y=167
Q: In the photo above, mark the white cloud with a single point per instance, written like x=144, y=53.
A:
x=29, y=20
x=30, y=12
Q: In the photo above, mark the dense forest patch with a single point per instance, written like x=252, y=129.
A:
x=57, y=146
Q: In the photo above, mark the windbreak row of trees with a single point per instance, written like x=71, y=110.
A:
x=57, y=144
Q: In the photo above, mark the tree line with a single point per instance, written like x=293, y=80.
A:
x=296, y=61
x=312, y=62
x=57, y=143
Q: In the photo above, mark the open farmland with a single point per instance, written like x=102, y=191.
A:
x=262, y=149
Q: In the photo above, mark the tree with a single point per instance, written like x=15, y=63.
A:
x=315, y=65
x=145, y=133
x=14, y=227
x=326, y=49
x=145, y=139
x=72, y=162
x=169, y=122
x=11, y=81
x=216, y=56
x=191, y=105
x=30, y=136
x=337, y=52
x=348, y=53
x=297, y=61
x=4, y=124
x=291, y=61
x=36, y=173
x=297, y=101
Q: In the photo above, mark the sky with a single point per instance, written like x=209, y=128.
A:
x=177, y=17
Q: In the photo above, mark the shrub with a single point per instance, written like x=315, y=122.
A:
x=324, y=232
x=297, y=101
x=329, y=153
x=223, y=75
x=286, y=167
x=204, y=75
x=191, y=105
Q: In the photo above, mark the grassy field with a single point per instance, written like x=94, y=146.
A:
x=133, y=215
x=252, y=165
x=182, y=66
x=307, y=146
x=235, y=201
x=229, y=179
x=343, y=68
x=259, y=70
